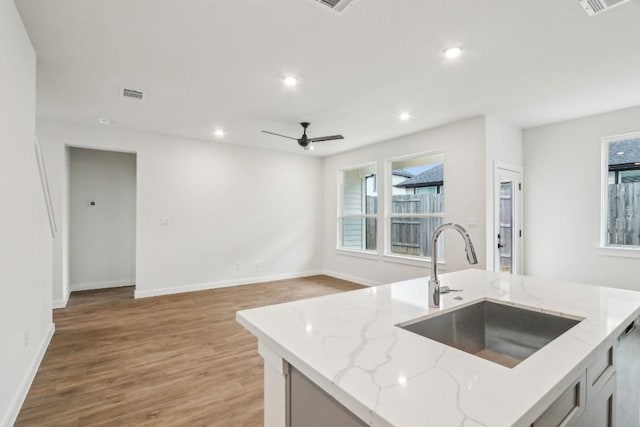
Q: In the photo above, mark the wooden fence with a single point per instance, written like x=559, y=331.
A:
x=623, y=226
x=410, y=235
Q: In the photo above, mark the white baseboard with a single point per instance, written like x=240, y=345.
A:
x=61, y=303
x=14, y=409
x=101, y=285
x=350, y=278
x=221, y=284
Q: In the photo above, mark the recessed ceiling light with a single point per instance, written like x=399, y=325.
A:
x=104, y=121
x=620, y=153
x=453, y=52
x=404, y=116
x=290, y=81
x=219, y=133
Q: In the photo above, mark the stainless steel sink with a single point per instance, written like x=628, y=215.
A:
x=497, y=332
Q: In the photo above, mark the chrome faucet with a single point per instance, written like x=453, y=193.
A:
x=434, y=283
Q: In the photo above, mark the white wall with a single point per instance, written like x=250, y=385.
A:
x=102, y=238
x=226, y=204
x=562, y=201
x=58, y=163
x=503, y=144
x=463, y=145
x=25, y=245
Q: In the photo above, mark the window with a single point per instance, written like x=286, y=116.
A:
x=415, y=205
x=357, y=222
x=621, y=195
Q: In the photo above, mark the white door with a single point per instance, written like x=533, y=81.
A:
x=508, y=219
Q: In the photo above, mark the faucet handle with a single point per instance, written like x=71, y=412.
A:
x=446, y=290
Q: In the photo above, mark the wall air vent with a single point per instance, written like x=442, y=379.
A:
x=136, y=95
x=337, y=5
x=595, y=7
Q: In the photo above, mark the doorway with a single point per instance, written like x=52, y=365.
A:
x=508, y=219
x=102, y=219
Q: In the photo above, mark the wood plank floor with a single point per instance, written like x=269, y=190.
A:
x=178, y=360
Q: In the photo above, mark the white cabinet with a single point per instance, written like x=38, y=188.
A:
x=568, y=408
x=601, y=396
x=590, y=400
x=602, y=407
x=309, y=405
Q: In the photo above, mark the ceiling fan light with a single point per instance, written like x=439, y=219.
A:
x=304, y=141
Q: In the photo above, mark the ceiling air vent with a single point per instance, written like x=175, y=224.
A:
x=594, y=7
x=337, y=5
x=133, y=94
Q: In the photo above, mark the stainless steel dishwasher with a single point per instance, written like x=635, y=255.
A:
x=628, y=378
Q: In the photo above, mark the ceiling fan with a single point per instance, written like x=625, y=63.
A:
x=304, y=141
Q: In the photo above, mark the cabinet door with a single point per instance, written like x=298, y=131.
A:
x=601, y=409
x=567, y=409
x=309, y=405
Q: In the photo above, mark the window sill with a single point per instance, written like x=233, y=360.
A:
x=418, y=262
x=622, y=252
x=357, y=254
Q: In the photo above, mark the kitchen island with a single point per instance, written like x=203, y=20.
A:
x=348, y=354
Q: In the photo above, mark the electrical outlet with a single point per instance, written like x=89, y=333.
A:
x=237, y=266
x=164, y=221
x=26, y=339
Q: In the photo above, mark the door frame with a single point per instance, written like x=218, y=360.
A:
x=66, y=285
x=499, y=168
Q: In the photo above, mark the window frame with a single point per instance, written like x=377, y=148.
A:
x=388, y=212
x=365, y=253
x=606, y=249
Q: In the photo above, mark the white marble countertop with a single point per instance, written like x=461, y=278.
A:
x=349, y=345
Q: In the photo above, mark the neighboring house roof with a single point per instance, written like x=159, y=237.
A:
x=630, y=150
x=403, y=172
x=429, y=178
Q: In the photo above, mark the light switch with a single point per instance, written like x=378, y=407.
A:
x=164, y=221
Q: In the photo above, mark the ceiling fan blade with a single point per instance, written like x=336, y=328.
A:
x=277, y=134
x=326, y=138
